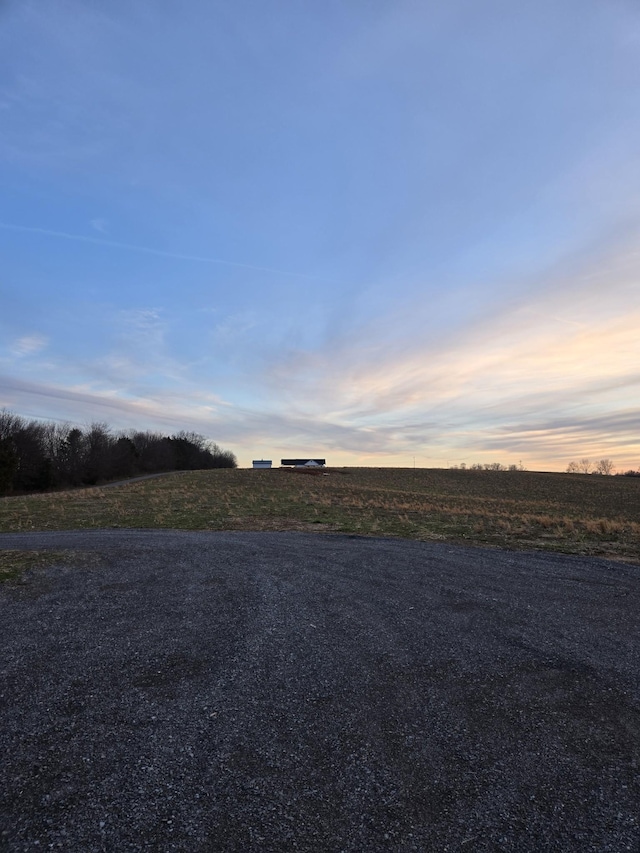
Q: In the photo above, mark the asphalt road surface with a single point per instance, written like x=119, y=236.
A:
x=290, y=692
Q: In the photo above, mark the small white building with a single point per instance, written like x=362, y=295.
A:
x=262, y=463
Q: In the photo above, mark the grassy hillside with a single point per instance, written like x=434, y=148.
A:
x=564, y=512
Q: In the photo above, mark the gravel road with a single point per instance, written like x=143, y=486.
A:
x=290, y=692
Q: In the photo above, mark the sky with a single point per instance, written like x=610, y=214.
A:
x=384, y=233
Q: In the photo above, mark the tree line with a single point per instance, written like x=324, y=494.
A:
x=602, y=466
x=488, y=466
x=586, y=466
x=36, y=455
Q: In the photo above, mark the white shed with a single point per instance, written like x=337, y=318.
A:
x=262, y=463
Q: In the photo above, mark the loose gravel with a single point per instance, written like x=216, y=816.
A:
x=292, y=692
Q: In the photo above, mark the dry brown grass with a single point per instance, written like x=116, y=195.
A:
x=583, y=515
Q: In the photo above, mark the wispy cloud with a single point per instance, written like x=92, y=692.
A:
x=28, y=345
x=100, y=225
x=467, y=179
x=549, y=375
x=472, y=387
x=234, y=326
x=179, y=256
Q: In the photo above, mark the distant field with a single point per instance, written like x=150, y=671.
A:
x=570, y=513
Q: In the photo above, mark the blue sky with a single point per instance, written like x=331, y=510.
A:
x=365, y=230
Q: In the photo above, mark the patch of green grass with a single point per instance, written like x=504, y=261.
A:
x=560, y=512
x=14, y=563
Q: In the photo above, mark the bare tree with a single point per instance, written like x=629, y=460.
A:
x=9, y=459
x=584, y=465
x=605, y=466
x=10, y=424
x=98, y=440
x=9, y=462
x=72, y=456
x=572, y=468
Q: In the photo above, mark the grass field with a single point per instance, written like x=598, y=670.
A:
x=570, y=513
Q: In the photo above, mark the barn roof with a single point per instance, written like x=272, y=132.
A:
x=302, y=461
